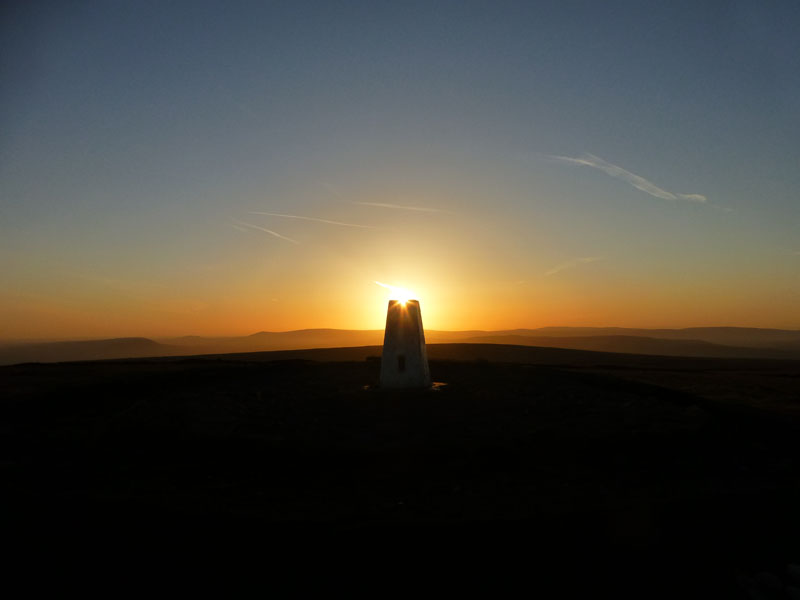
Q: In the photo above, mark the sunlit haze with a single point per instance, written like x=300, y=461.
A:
x=400, y=294
x=204, y=168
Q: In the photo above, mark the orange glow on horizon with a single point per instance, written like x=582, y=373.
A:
x=301, y=288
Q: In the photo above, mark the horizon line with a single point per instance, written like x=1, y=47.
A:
x=162, y=336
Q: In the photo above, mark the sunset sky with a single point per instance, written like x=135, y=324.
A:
x=526, y=164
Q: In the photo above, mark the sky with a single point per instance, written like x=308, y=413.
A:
x=222, y=168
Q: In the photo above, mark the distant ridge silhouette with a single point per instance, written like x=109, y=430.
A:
x=630, y=344
x=721, y=342
x=85, y=350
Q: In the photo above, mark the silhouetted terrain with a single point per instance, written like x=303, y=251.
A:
x=696, y=341
x=630, y=344
x=654, y=476
x=732, y=336
x=85, y=350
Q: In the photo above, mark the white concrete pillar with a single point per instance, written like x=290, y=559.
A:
x=404, y=363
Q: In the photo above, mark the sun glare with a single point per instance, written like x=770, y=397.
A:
x=402, y=295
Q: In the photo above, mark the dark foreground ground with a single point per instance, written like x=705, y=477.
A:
x=547, y=472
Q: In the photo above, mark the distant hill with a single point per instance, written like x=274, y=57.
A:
x=316, y=338
x=722, y=342
x=279, y=340
x=630, y=344
x=730, y=336
x=86, y=350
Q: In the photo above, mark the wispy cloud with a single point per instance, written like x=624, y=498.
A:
x=402, y=207
x=640, y=183
x=265, y=230
x=693, y=197
x=573, y=263
x=339, y=223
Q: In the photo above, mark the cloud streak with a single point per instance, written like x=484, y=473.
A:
x=637, y=181
x=572, y=264
x=265, y=230
x=301, y=218
x=402, y=207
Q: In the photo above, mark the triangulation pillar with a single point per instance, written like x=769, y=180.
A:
x=404, y=363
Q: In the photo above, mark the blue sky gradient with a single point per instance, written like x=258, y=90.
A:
x=136, y=135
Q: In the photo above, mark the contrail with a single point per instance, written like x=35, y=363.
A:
x=265, y=230
x=386, y=285
x=401, y=207
x=572, y=263
x=255, y=212
x=640, y=183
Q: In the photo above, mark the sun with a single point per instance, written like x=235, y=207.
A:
x=402, y=295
